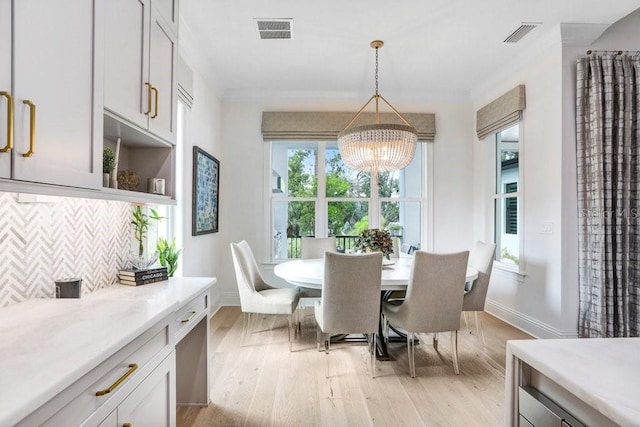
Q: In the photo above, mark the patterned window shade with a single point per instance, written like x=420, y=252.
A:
x=501, y=113
x=325, y=126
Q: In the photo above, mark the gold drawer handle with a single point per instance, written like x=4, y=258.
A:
x=32, y=128
x=9, y=145
x=149, y=87
x=132, y=368
x=191, y=314
x=155, y=113
x=127, y=425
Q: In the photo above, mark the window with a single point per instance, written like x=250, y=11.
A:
x=506, y=196
x=314, y=194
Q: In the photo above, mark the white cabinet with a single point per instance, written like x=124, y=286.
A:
x=140, y=55
x=5, y=88
x=153, y=402
x=57, y=114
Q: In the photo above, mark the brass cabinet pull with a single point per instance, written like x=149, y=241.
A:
x=132, y=368
x=32, y=128
x=9, y=145
x=191, y=314
x=127, y=425
x=149, y=88
x=155, y=113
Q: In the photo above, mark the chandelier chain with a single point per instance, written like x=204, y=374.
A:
x=376, y=76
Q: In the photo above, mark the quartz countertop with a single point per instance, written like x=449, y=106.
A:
x=48, y=344
x=603, y=373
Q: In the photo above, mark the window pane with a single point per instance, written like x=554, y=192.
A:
x=294, y=168
x=403, y=183
x=506, y=230
x=347, y=219
x=402, y=219
x=507, y=158
x=342, y=181
x=291, y=220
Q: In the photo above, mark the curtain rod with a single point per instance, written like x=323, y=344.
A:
x=615, y=52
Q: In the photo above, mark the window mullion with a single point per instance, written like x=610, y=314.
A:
x=321, y=196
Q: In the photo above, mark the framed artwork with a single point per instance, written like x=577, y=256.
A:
x=206, y=186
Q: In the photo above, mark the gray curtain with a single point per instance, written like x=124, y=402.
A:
x=608, y=173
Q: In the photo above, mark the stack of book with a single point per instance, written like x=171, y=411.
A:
x=143, y=277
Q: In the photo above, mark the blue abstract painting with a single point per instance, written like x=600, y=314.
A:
x=206, y=177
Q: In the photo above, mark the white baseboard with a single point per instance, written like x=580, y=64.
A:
x=526, y=323
x=229, y=299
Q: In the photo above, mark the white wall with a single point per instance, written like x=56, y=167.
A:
x=201, y=255
x=532, y=301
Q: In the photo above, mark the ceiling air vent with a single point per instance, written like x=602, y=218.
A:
x=269, y=29
x=521, y=31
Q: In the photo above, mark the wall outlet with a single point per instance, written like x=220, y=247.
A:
x=546, y=228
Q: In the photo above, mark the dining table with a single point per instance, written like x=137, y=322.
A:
x=309, y=273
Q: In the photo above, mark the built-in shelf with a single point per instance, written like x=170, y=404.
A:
x=116, y=127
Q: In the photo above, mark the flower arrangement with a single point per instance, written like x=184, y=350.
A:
x=375, y=239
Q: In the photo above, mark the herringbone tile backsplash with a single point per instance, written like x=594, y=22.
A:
x=42, y=242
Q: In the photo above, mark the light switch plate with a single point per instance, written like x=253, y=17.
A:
x=546, y=228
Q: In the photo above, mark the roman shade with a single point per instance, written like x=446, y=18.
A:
x=185, y=82
x=325, y=126
x=501, y=113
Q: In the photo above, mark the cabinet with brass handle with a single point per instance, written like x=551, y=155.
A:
x=188, y=318
x=144, y=96
x=67, y=128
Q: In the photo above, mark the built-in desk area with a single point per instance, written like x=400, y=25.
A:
x=120, y=355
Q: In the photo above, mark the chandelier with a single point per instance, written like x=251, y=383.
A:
x=378, y=147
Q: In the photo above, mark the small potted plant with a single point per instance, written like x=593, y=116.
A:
x=168, y=255
x=108, y=165
x=375, y=240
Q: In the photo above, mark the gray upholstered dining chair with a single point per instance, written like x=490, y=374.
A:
x=315, y=247
x=480, y=258
x=350, y=301
x=433, y=302
x=256, y=295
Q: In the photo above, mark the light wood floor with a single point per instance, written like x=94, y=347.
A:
x=262, y=384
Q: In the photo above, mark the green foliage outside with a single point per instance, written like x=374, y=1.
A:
x=344, y=218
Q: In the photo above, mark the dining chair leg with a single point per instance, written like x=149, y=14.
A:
x=411, y=354
x=479, y=329
x=435, y=341
x=245, y=320
x=386, y=329
x=454, y=347
x=318, y=337
x=290, y=323
x=466, y=322
x=327, y=350
x=372, y=354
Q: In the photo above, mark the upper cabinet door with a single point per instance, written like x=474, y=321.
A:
x=6, y=121
x=58, y=109
x=162, y=75
x=140, y=56
x=169, y=11
x=126, y=53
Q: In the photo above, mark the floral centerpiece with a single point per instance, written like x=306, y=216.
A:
x=373, y=240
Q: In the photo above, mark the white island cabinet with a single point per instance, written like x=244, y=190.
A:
x=593, y=382
x=55, y=96
x=112, y=358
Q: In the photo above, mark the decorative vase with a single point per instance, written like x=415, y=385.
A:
x=105, y=180
x=140, y=262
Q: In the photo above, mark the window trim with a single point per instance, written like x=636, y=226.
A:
x=520, y=269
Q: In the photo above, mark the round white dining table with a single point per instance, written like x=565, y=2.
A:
x=308, y=273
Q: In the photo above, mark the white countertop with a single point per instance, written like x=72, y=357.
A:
x=48, y=344
x=604, y=373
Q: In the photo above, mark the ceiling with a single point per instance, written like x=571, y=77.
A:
x=431, y=46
